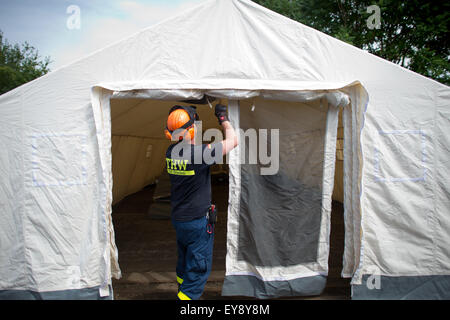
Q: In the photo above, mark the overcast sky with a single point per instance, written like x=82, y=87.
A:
x=52, y=29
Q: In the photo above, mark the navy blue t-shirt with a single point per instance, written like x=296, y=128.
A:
x=189, y=170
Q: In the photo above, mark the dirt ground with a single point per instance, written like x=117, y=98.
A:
x=147, y=250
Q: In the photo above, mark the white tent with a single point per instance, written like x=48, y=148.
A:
x=63, y=135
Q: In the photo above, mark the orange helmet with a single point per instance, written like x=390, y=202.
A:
x=181, y=118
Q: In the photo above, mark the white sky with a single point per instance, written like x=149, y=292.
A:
x=43, y=23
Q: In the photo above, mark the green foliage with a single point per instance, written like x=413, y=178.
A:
x=19, y=64
x=413, y=34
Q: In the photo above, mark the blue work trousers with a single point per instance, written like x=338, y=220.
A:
x=195, y=241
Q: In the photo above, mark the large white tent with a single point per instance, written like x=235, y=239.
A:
x=63, y=135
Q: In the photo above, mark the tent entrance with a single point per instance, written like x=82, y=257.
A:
x=144, y=234
x=336, y=284
x=312, y=120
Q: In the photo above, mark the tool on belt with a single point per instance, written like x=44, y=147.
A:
x=212, y=218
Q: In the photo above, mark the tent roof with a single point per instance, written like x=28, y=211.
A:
x=228, y=44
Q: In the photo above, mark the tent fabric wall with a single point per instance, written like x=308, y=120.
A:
x=137, y=162
x=405, y=195
x=278, y=231
x=94, y=293
x=374, y=287
x=52, y=237
x=55, y=219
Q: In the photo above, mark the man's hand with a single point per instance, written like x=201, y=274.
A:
x=231, y=139
x=221, y=113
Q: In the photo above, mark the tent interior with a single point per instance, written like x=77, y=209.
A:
x=141, y=208
x=138, y=141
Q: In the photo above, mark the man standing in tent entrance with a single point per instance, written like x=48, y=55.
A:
x=189, y=168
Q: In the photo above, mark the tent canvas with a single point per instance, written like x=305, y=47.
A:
x=57, y=235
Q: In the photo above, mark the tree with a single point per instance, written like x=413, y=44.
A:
x=19, y=64
x=413, y=34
